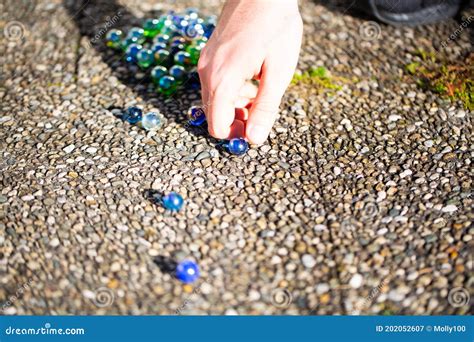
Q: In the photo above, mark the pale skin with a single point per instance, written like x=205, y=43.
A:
x=254, y=39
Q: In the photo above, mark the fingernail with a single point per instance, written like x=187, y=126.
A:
x=257, y=134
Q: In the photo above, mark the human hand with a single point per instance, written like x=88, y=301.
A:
x=254, y=39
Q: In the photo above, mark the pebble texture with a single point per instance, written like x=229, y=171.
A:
x=359, y=203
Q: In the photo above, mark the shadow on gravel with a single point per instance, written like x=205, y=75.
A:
x=95, y=18
x=165, y=264
x=350, y=7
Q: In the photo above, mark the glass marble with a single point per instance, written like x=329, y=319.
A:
x=132, y=52
x=124, y=44
x=138, y=33
x=177, y=48
x=193, y=81
x=162, y=38
x=167, y=85
x=162, y=57
x=193, y=13
x=201, y=42
x=238, y=146
x=132, y=115
x=178, y=72
x=114, y=38
x=151, y=121
x=145, y=58
x=194, y=53
x=182, y=58
x=193, y=30
x=151, y=27
x=176, y=41
x=157, y=73
x=187, y=271
x=196, y=116
x=158, y=46
x=172, y=201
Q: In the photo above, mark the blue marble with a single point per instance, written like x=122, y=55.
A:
x=177, y=48
x=158, y=46
x=151, y=121
x=162, y=38
x=178, y=72
x=132, y=52
x=162, y=57
x=193, y=81
x=158, y=72
x=166, y=82
x=193, y=13
x=193, y=30
x=187, y=271
x=196, y=116
x=138, y=33
x=124, y=44
x=176, y=41
x=132, y=115
x=172, y=201
x=237, y=146
x=182, y=58
x=114, y=38
x=145, y=58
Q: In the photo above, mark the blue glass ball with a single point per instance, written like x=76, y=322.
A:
x=193, y=13
x=177, y=40
x=162, y=38
x=145, y=58
x=124, y=44
x=158, y=72
x=162, y=56
x=193, y=30
x=182, y=58
x=158, y=46
x=151, y=121
x=132, y=52
x=173, y=201
x=187, y=271
x=178, y=72
x=114, y=38
x=136, y=32
x=166, y=82
x=132, y=115
x=238, y=146
x=196, y=116
x=193, y=81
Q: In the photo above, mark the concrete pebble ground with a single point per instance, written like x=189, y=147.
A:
x=360, y=202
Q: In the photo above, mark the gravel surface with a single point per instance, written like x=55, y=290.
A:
x=359, y=203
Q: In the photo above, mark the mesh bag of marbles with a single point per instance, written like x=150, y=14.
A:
x=168, y=48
